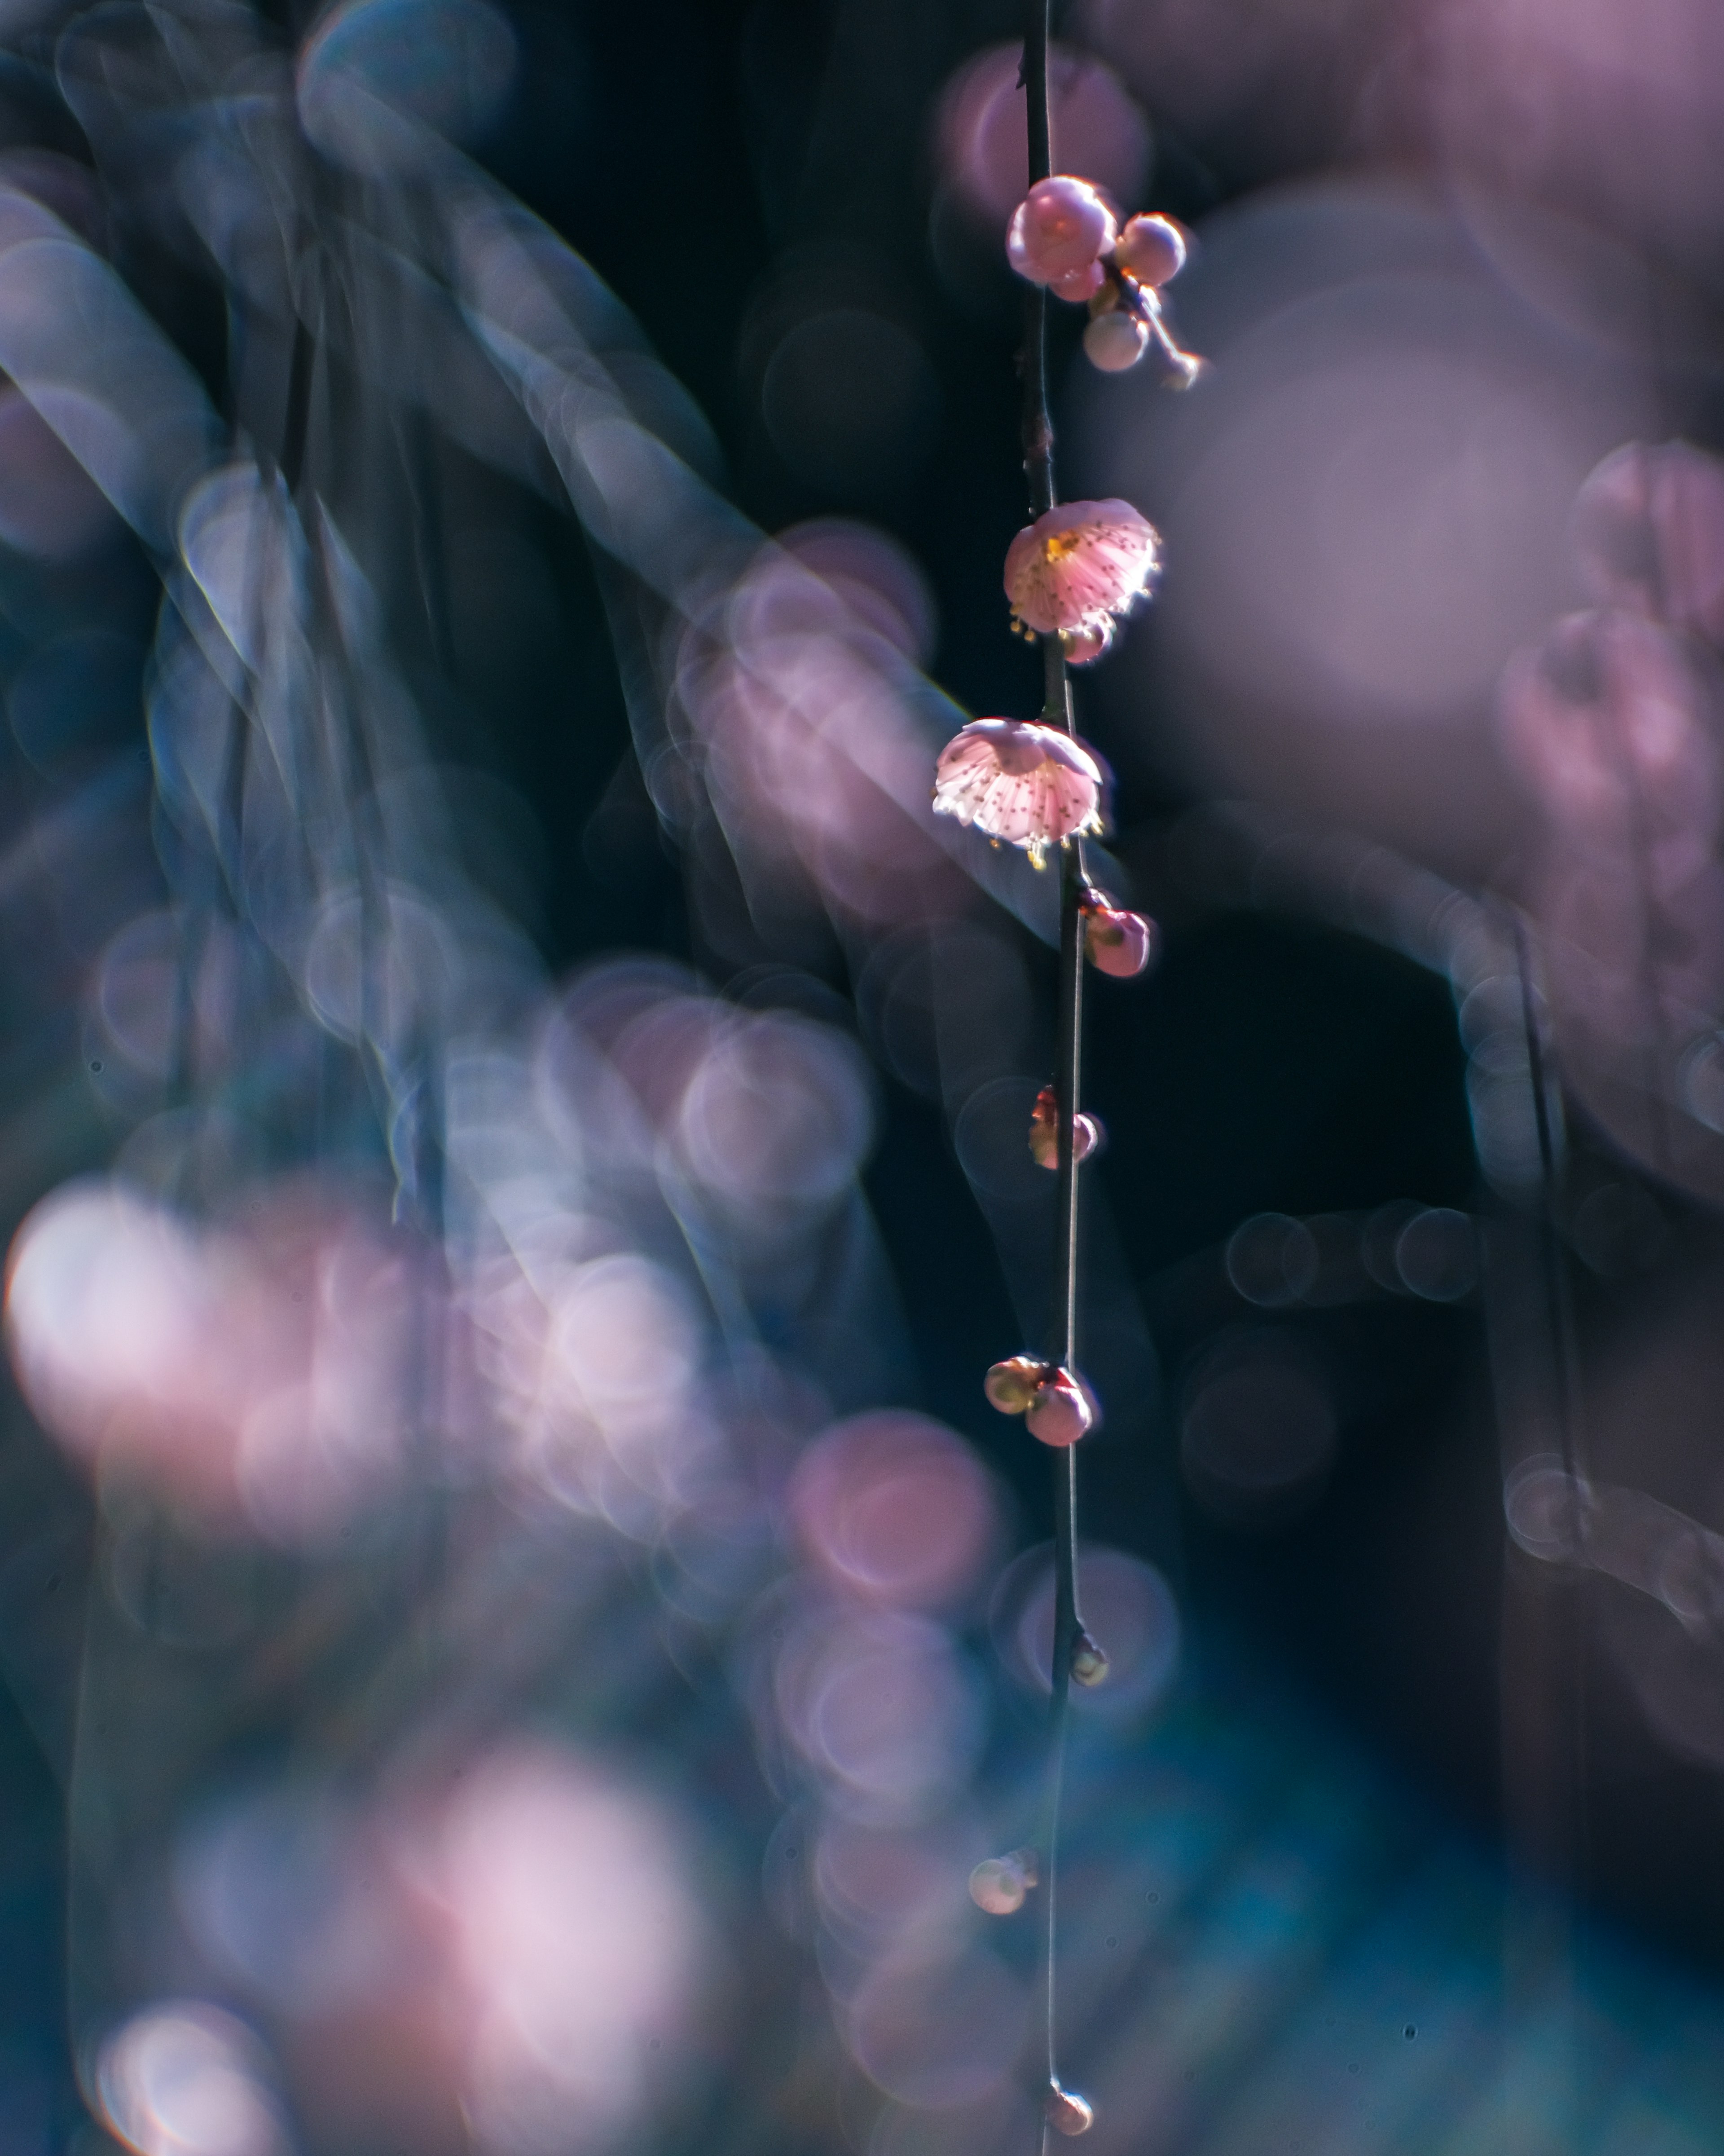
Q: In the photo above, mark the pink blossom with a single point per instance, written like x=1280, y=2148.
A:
x=1028, y=784
x=1044, y=1131
x=1116, y=341
x=1061, y=1411
x=1062, y=224
x=1150, y=248
x=1117, y=942
x=1080, y=564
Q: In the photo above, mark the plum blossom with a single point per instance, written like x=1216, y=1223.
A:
x=1021, y=782
x=1062, y=226
x=1079, y=565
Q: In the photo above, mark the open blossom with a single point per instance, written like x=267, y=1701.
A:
x=1062, y=226
x=1028, y=784
x=1080, y=564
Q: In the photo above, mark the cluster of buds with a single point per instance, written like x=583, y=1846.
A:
x=1064, y=234
x=1055, y=1404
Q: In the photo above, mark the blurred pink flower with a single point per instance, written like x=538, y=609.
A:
x=1081, y=564
x=1028, y=784
x=1061, y=226
x=1649, y=533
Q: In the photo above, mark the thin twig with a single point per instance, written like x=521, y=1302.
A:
x=1038, y=437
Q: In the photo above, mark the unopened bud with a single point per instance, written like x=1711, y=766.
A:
x=1044, y=1131
x=1061, y=1411
x=1116, y=940
x=999, y=1884
x=1012, y=1385
x=1152, y=249
x=1115, y=340
x=1089, y=1662
x=1065, y=2111
x=1084, y=645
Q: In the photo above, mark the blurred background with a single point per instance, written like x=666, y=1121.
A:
x=515, y=1619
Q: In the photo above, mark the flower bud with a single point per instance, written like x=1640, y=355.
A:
x=1089, y=1662
x=1065, y=2111
x=1012, y=1385
x=999, y=1884
x=1061, y=225
x=1060, y=1411
x=1086, y=645
x=1044, y=1131
x=1152, y=249
x=1114, y=341
x=1116, y=940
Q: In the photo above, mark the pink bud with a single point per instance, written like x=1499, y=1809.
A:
x=1087, y=643
x=1117, y=942
x=1061, y=1411
x=1114, y=341
x=1066, y=2111
x=999, y=1884
x=1152, y=249
x=1012, y=1385
x=1062, y=224
x=1044, y=1131
x=1078, y=285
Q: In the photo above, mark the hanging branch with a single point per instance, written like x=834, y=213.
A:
x=1070, y=574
